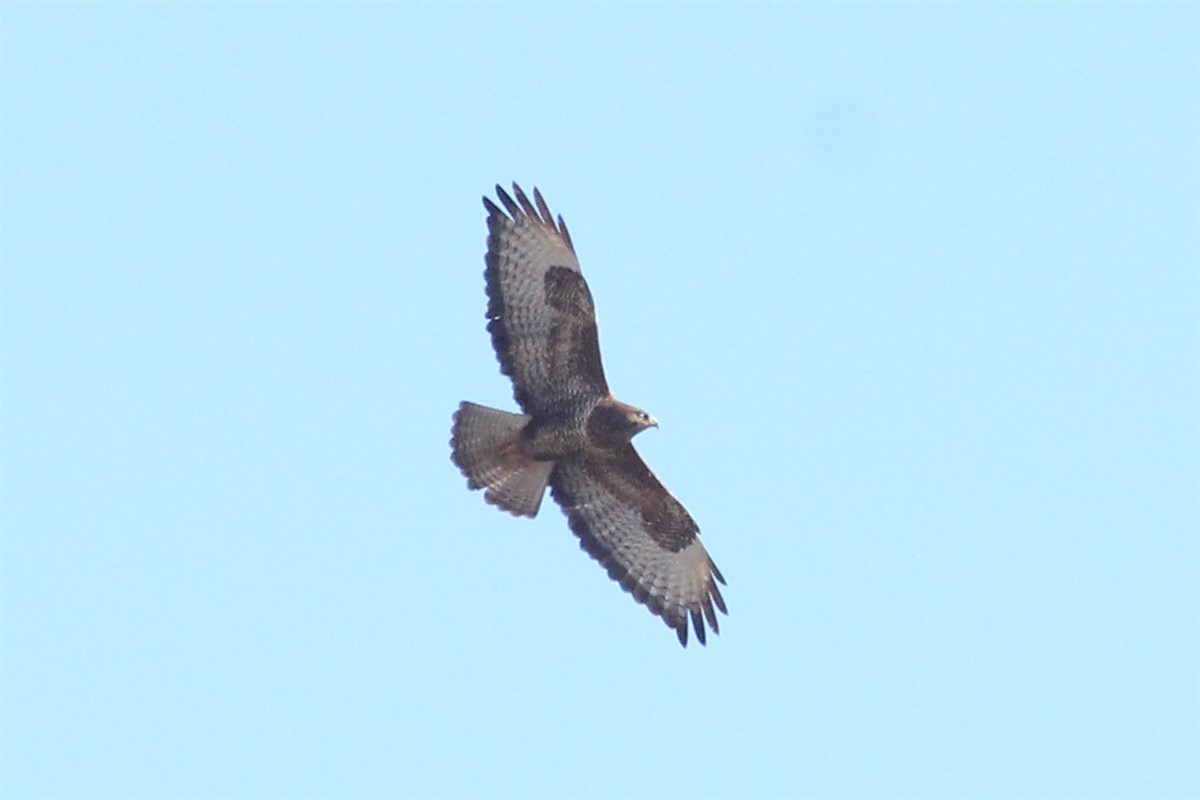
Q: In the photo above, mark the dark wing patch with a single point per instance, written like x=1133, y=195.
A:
x=540, y=312
x=628, y=521
x=574, y=345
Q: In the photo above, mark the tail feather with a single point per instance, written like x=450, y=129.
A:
x=485, y=446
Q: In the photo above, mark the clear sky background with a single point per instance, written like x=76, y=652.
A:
x=913, y=289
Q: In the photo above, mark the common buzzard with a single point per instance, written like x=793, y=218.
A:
x=574, y=435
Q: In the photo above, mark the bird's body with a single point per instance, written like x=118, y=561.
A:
x=574, y=436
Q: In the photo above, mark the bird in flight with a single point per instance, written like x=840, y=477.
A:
x=573, y=435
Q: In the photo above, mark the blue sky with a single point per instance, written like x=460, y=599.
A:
x=914, y=291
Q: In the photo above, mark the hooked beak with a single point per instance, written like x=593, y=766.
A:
x=653, y=422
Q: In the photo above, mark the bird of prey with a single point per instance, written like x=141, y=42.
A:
x=573, y=435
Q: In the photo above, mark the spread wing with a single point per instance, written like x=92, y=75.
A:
x=628, y=521
x=540, y=312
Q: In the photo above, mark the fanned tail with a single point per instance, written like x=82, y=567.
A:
x=485, y=446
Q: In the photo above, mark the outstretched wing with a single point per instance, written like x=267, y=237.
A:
x=540, y=312
x=628, y=521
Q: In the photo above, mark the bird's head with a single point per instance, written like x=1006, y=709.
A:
x=615, y=422
x=639, y=420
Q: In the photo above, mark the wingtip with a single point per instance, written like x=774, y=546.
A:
x=521, y=206
x=526, y=206
x=566, y=235
x=715, y=594
x=513, y=209
x=543, y=209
